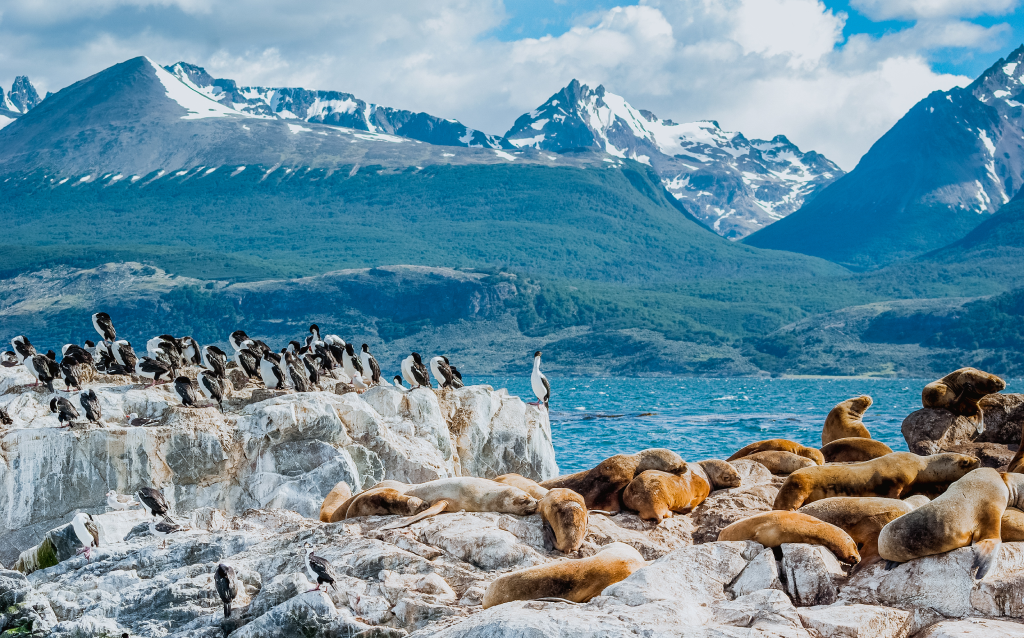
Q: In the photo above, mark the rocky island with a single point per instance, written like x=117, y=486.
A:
x=247, y=484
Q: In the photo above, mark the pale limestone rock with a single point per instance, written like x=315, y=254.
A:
x=974, y=628
x=651, y=540
x=486, y=546
x=856, y=621
x=724, y=507
x=768, y=610
x=811, y=574
x=760, y=573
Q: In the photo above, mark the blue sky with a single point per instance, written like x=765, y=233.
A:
x=831, y=75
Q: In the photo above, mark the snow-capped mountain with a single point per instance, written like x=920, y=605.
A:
x=956, y=157
x=732, y=184
x=21, y=99
x=333, y=108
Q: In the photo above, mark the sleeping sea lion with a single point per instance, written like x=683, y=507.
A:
x=969, y=513
x=781, y=445
x=529, y=486
x=960, y=391
x=466, y=493
x=779, y=462
x=655, y=495
x=844, y=420
x=891, y=476
x=601, y=487
x=339, y=495
x=576, y=580
x=772, y=529
x=854, y=450
x=565, y=519
x=862, y=518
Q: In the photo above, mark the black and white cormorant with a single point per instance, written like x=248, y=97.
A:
x=212, y=387
x=350, y=363
x=415, y=372
x=66, y=413
x=249, y=361
x=87, y=532
x=237, y=339
x=8, y=359
x=5, y=418
x=271, y=372
x=539, y=382
x=227, y=586
x=23, y=349
x=320, y=571
x=216, y=361
x=104, y=327
x=441, y=371
x=155, y=369
x=91, y=405
x=44, y=369
x=296, y=371
x=124, y=355
x=190, y=350
x=186, y=389
x=457, y=381
x=370, y=365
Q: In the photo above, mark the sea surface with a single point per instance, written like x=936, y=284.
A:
x=592, y=419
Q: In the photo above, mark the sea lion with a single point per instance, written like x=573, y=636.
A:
x=779, y=462
x=844, y=420
x=772, y=529
x=781, y=445
x=565, y=519
x=383, y=501
x=529, y=486
x=466, y=493
x=862, y=518
x=890, y=476
x=341, y=511
x=601, y=487
x=969, y=513
x=339, y=494
x=853, y=450
x=576, y=580
x=655, y=495
x=960, y=391
x=1011, y=526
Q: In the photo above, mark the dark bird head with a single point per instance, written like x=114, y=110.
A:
x=366, y=348
x=89, y=344
x=314, y=330
x=349, y=350
x=51, y=355
x=446, y=361
x=416, y=358
x=183, y=381
x=398, y=379
x=102, y=316
x=536, y=354
x=296, y=346
x=53, y=404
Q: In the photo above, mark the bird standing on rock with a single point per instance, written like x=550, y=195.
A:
x=320, y=571
x=8, y=359
x=5, y=418
x=91, y=406
x=44, y=369
x=87, y=532
x=441, y=371
x=66, y=413
x=187, y=391
x=216, y=361
x=370, y=366
x=539, y=382
x=22, y=348
x=227, y=586
x=117, y=501
x=212, y=387
x=155, y=369
x=415, y=372
x=101, y=322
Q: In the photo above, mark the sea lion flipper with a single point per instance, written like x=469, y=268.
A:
x=549, y=535
x=434, y=509
x=986, y=553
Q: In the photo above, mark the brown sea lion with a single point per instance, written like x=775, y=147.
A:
x=601, y=487
x=772, y=529
x=341, y=511
x=780, y=445
x=573, y=580
x=565, y=519
x=844, y=421
x=960, y=391
x=338, y=495
x=466, y=493
x=529, y=486
x=969, y=513
x=655, y=495
x=854, y=450
x=384, y=501
x=862, y=518
x=890, y=476
x=779, y=462
x=1011, y=527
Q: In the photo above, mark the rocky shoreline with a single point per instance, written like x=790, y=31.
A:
x=248, y=485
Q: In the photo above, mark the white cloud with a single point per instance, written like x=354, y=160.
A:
x=930, y=9
x=762, y=67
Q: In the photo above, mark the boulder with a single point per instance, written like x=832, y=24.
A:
x=810, y=574
x=973, y=628
x=760, y=573
x=929, y=431
x=856, y=621
x=724, y=507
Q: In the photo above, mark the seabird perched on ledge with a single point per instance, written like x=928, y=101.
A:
x=441, y=371
x=153, y=502
x=66, y=413
x=91, y=405
x=237, y=339
x=155, y=369
x=216, y=361
x=539, y=382
x=8, y=359
x=296, y=371
x=117, y=501
x=87, y=532
x=370, y=365
x=270, y=372
x=350, y=363
x=249, y=361
x=124, y=355
x=415, y=372
x=457, y=380
x=212, y=387
x=44, y=369
x=314, y=332
x=190, y=350
x=137, y=421
x=187, y=391
x=320, y=571
x=104, y=326
x=5, y=418
x=23, y=349
x=227, y=586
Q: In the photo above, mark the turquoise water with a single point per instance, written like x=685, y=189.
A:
x=592, y=419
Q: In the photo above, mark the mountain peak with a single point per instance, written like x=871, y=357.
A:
x=23, y=96
x=1003, y=82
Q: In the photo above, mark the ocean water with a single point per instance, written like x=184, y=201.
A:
x=592, y=419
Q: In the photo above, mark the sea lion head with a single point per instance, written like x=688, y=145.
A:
x=564, y=518
x=978, y=383
x=415, y=505
x=946, y=467
x=659, y=459
x=721, y=474
x=859, y=405
x=516, y=501
x=847, y=551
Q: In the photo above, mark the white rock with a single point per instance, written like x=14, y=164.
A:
x=974, y=628
x=462, y=535
x=767, y=610
x=856, y=621
x=760, y=573
x=810, y=574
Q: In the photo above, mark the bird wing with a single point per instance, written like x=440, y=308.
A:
x=420, y=372
x=94, y=531
x=547, y=388
x=153, y=499
x=322, y=568
x=374, y=370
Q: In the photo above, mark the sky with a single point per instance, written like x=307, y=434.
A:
x=831, y=75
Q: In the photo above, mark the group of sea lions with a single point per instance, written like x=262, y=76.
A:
x=853, y=496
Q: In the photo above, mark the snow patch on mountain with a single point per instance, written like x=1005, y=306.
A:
x=733, y=185
x=198, y=105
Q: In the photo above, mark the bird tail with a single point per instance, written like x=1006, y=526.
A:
x=227, y=610
x=169, y=520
